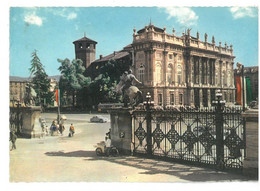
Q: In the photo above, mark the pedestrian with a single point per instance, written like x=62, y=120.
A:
x=61, y=128
x=108, y=145
x=72, y=130
x=13, y=138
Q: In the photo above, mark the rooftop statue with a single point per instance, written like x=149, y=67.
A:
x=131, y=94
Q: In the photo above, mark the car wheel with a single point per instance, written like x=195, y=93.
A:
x=101, y=120
x=98, y=151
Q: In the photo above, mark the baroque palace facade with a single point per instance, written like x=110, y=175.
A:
x=182, y=70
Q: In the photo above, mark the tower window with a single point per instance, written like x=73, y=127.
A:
x=80, y=45
x=87, y=46
x=141, y=73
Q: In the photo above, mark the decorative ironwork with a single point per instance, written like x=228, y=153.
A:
x=200, y=135
x=140, y=133
x=158, y=135
x=173, y=136
x=189, y=139
x=207, y=140
x=234, y=144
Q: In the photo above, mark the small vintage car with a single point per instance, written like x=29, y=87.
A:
x=98, y=119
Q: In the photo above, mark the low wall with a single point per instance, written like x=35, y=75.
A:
x=250, y=166
x=121, y=129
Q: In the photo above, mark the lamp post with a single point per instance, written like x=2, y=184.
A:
x=148, y=124
x=219, y=105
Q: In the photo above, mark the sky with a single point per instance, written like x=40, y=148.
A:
x=51, y=30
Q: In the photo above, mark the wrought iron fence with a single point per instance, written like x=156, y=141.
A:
x=212, y=136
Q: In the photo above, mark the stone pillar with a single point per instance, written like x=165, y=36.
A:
x=250, y=167
x=31, y=124
x=200, y=71
x=209, y=97
x=201, y=97
x=121, y=129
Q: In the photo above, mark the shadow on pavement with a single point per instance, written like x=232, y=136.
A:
x=79, y=153
x=152, y=167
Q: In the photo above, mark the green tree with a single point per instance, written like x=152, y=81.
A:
x=40, y=81
x=72, y=81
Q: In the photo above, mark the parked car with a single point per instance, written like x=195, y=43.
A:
x=98, y=119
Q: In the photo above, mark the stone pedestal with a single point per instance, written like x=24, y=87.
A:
x=250, y=167
x=31, y=124
x=121, y=129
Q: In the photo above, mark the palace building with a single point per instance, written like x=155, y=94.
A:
x=182, y=70
x=176, y=70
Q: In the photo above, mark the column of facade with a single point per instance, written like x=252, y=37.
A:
x=200, y=71
x=208, y=70
x=209, y=97
x=165, y=62
x=175, y=69
x=191, y=70
x=214, y=72
x=201, y=97
x=146, y=76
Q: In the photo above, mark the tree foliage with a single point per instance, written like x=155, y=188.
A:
x=72, y=80
x=40, y=81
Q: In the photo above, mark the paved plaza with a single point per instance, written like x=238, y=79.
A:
x=73, y=159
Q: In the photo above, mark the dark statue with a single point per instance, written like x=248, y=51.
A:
x=131, y=94
x=30, y=95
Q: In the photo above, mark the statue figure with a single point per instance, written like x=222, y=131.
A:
x=206, y=37
x=30, y=95
x=198, y=35
x=189, y=32
x=131, y=94
x=213, y=39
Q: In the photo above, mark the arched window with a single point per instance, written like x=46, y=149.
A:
x=158, y=72
x=141, y=73
x=169, y=73
x=179, y=74
x=80, y=45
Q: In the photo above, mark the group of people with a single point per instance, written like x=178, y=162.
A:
x=56, y=129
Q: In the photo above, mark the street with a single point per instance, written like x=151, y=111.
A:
x=73, y=159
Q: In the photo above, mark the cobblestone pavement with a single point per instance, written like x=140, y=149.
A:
x=65, y=159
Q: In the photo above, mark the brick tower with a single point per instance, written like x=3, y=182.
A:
x=85, y=49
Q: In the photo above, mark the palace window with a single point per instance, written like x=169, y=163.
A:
x=170, y=56
x=179, y=74
x=181, y=99
x=171, y=99
x=141, y=73
x=158, y=73
x=159, y=99
x=169, y=73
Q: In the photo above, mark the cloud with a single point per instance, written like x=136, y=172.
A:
x=240, y=12
x=71, y=16
x=65, y=13
x=184, y=15
x=33, y=19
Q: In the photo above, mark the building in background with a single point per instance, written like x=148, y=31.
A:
x=182, y=70
x=17, y=87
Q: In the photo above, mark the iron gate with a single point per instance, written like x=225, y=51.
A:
x=211, y=136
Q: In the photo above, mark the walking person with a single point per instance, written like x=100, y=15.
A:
x=13, y=138
x=61, y=128
x=72, y=130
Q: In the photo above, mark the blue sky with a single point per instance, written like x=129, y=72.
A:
x=51, y=31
